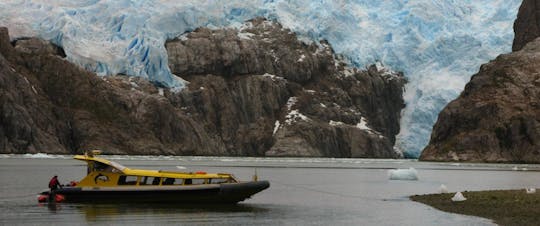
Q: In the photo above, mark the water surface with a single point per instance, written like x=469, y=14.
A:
x=303, y=191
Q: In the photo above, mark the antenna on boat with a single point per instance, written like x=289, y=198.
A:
x=255, y=177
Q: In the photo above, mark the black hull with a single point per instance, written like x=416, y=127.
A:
x=219, y=194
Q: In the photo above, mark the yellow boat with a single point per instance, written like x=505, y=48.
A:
x=109, y=182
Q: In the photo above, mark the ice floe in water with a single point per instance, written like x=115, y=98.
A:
x=403, y=174
x=40, y=156
x=443, y=189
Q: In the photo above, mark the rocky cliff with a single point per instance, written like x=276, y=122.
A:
x=253, y=91
x=50, y=105
x=497, y=116
x=527, y=24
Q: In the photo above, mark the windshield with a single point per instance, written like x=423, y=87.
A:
x=117, y=165
x=100, y=166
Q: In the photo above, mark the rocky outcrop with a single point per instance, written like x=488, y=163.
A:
x=50, y=105
x=497, y=117
x=253, y=91
x=263, y=92
x=527, y=24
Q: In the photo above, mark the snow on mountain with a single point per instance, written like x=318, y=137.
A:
x=438, y=44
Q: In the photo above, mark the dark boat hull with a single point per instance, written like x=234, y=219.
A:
x=218, y=193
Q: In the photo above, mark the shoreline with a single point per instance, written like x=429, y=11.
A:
x=504, y=207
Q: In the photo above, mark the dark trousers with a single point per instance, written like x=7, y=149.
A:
x=52, y=195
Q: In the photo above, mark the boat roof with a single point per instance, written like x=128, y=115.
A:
x=91, y=157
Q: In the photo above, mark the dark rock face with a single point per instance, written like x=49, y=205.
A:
x=257, y=91
x=527, y=24
x=50, y=105
x=263, y=92
x=497, y=117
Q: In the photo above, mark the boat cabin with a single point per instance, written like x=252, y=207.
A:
x=105, y=173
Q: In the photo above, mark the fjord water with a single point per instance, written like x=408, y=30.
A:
x=303, y=191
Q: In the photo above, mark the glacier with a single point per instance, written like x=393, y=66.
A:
x=437, y=44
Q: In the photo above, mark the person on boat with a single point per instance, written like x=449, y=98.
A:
x=54, y=183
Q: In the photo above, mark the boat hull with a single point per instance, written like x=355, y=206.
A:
x=216, y=193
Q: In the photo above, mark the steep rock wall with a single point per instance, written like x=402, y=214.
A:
x=497, y=117
x=255, y=91
x=527, y=24
x=263, y=91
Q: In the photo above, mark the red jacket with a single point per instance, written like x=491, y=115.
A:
x=53, y=183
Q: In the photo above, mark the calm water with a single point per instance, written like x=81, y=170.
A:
x=303, y=191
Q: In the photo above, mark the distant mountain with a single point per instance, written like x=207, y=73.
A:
x=497, y=117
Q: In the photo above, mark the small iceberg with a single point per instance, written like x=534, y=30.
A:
x=458, y=197
x=403, y=174
x=443, y=189
x=530, y=190
x=38, y=156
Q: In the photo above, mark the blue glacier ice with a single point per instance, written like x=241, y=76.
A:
x=437, y=44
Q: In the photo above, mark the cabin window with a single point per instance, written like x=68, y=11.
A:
x=127, y=180
x=173, y=181
x=197, y=181
x=218, y=180
x=168, y=181
x=150, y=181
x=98, y=166
x=178, y=181
x=156, y=180
x=102, y=167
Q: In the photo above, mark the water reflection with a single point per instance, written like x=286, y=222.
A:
x=94, y=212
x=52, y=206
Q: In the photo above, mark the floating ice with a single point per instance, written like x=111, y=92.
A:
x=530, y=190
x=437, y=44
x=40, y=156
x=5, y=156
x=458, y=197
x=403, y=174
x=443, y=189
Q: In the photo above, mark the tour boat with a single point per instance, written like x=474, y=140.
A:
x=109, y=182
